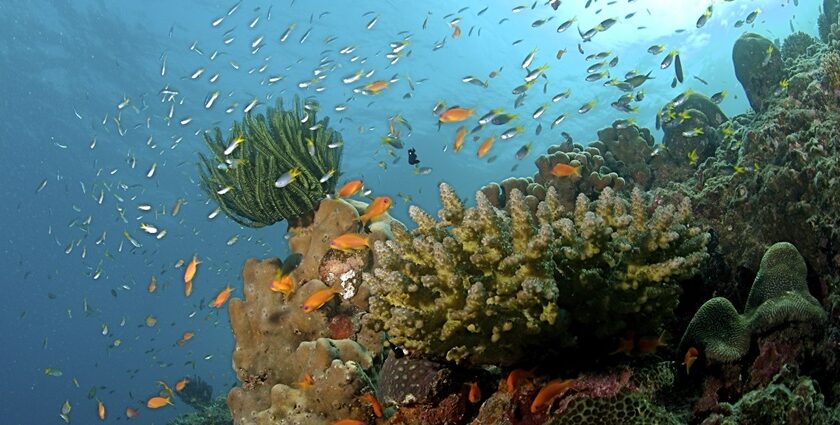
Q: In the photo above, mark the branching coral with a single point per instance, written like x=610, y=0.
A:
x=484, y=284
x=243, y=182
x=452, y=288
x=796, y=45
x=779, y=295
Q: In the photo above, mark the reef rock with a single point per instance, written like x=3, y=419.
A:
x=758, y=67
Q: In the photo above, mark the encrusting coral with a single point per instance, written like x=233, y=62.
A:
x=242, y=181
x=482, y=285
x=620, y=396
x=788, y=400
x=779, y=295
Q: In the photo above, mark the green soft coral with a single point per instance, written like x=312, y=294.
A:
x=779, y=295
x=274, y=143
x=483, y=284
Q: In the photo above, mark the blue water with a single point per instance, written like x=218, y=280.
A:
x=66, y=65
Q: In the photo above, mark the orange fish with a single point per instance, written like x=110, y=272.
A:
x=690, y=357
x=549, y=391
x=131, y=412
x=187, y=288
x=319, y=298
x=515, y=376
x=307, y=382
x=455, y=114
x=475, y=393
x=221, y=297
x=376, y=208
x=648, y=345
x=459, y=138
x=626, y=344
x=186, y=337
x=349, y=242
x=350, y=188
x=179, y=386
x=456, y=31
x=374, y=404
x=157, y=402
x=189, y=273
x=100, y=410
x=376, y=86
x=283, y=284
x=152, y=285
x=565, y=170
x=348, y=422
x=485, y=146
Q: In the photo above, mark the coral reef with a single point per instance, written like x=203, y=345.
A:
x=278, y=345
x=595, y=176
x=775, y=167
x=795, y=46
x=689, y=122
x=291, y=143
x=197, y=393
x=788, y=400
x=620, y=396
x=307, y=366
x=214, y=413
x=551, y=277
x=830, y=65
x=758, y=67
x=827, y=21
x=333, y=218
x=779, y=295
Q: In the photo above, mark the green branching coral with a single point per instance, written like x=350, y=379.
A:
x=475, y=286
x=484, y=284
x=272, y=145
x=779, y=295
x=617, y=265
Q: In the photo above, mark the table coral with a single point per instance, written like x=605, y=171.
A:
x=779, y=295
x=482, y=285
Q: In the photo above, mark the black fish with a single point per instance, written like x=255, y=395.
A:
x=678, y=68
x=412, y=157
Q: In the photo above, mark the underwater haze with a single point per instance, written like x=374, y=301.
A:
x=105, y=108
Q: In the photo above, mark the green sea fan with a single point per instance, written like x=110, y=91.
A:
x=274, y=144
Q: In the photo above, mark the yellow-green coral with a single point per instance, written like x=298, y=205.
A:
x=242, y=183
x=778, y=295
x=484, y=284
